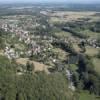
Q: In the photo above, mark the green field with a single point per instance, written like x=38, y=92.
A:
x=91, y=51
x=86, y=96
x=63, y=34
x=96, y=62
x=90, y=33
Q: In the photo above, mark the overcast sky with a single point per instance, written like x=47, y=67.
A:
x=67, y=1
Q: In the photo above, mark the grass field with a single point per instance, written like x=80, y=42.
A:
x=90, y=33
x=38, y=66
x=76, y=47
x=61, y=53
x=91, y=51
x=66, y=16
x=96, y=62
x=2, y=52
x=86, y=96
x=63, y=34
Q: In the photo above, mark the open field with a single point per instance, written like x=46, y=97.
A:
x=66, y=16
x=91, y=51
x=62, y=13
x=86, y=96
x=76, y=47
x=63, y=34
x=38, y=66
x=96, y=62
x=1, y=52
x=90, y=33
x=61, y=53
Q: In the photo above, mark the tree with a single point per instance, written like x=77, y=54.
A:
x=98, y=54
x=95, y=84
x=19, y=96
x=30, y=66
x=75, y=78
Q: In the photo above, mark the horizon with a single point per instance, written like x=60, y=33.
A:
x=52, y=1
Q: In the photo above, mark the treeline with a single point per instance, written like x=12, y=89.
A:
x=2, y=32
x=76, y=27
x=73, y=27
x=86, y=78
x=68, y=47
x=74, y=33
x=96, y=27
x=2, y=39
x=8, y=11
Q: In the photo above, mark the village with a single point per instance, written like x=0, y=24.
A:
x=29, y=41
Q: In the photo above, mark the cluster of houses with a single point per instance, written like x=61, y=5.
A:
x=91, y=42
x=5, y=27
x=28, y=39
x=69, y=77
x=10, y=53
x=33, y=47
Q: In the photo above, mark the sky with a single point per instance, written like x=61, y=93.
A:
x=67, y=1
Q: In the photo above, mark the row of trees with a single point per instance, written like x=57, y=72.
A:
x=75, y=32
x=68, y=47
x=76, y=27
x=98, y=55
x=96, y=27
